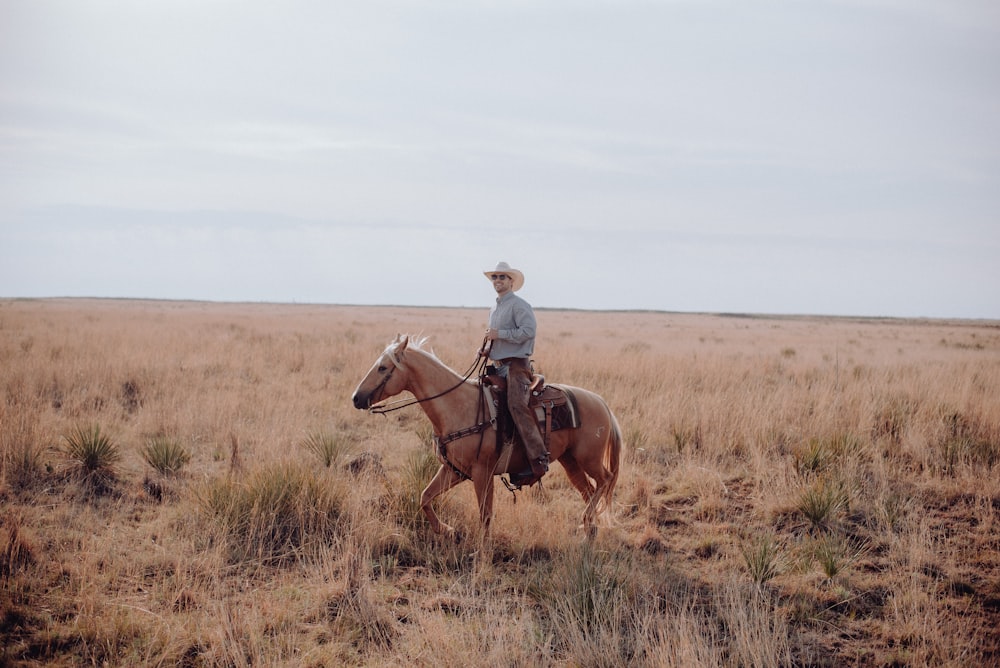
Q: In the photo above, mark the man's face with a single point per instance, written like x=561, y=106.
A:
x=501, y=283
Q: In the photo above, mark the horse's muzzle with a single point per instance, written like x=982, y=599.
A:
x=362, y=402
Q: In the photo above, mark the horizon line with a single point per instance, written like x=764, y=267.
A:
x=719, y=314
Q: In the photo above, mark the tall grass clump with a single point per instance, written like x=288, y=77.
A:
x=404, y=497
x=21, y=464
x=327, y=447
x=599, y=612
x=276, y=514
x=819, y=454
x=893, y=418
x=16, y=551
x=967, y=440
x=822, y=501
x=636, y=437
x=755, y=627
x=165, y=455
x=93, y=457
x=762, y=557
x=353, y=609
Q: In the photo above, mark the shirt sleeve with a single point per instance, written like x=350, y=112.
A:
x=524, y=324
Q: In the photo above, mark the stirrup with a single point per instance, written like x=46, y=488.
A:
x=526, y=477
x=523, y=478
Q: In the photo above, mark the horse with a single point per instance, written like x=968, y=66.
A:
x=590, y=454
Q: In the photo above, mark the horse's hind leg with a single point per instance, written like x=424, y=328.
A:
x=590, y=492
x=577, y=477
x=590, y=513
x=604, y=480
x=442, y=481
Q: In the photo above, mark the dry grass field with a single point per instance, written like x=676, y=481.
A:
x=188, y=484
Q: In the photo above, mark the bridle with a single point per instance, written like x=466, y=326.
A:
x=381, y=409
x=385, y=381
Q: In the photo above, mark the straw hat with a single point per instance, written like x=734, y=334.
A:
x=504, y=268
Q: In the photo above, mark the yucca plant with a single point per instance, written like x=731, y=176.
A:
x=165, y=455
x=329, y=448
x=830, y=556
x=835, y=555
x=762, y=557
x=821, y=501
x=93, y=456
x=813, y=457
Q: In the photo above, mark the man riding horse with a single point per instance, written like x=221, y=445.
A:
x=511, y=335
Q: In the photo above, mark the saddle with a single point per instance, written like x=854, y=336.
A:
x=554, y=406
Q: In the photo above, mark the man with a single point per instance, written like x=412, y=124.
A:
x=512, y=333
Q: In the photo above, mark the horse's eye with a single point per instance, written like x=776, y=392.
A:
x=381, y=369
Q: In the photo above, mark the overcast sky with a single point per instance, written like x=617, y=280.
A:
x=824, y=157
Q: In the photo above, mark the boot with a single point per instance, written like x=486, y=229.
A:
x=540, y=466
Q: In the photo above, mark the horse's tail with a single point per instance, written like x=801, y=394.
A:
x=612, y=462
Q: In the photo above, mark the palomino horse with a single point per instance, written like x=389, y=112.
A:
x=589, y=454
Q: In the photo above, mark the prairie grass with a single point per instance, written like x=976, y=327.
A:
x=794, y=492
x=22, y=453
x=273, y=514
x=404, y=498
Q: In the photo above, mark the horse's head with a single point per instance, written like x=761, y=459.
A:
x=386, y=378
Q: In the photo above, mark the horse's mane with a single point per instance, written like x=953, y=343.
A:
x=414, y=342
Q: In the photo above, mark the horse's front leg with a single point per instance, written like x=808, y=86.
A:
x=442, y=481
x=482, y=480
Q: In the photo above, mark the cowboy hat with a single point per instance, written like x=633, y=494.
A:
x=504, y=268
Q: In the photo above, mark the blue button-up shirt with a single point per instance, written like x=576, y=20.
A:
x=514, y=320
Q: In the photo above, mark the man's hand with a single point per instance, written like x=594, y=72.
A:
x=492, y=334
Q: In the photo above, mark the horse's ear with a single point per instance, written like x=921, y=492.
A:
x=400, y=347
x=396, y=349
